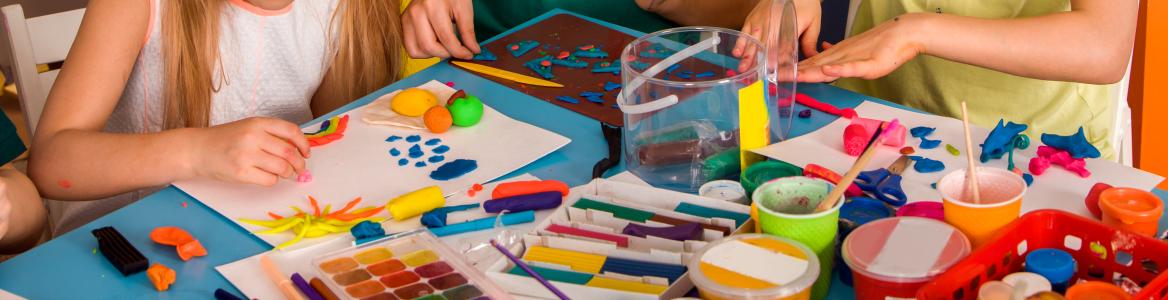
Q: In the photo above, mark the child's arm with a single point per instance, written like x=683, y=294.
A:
x=1091, y=43
x=22, y=213
x=72, y=159
x=429, y=25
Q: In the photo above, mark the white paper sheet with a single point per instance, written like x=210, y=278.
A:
x=359, y=165
x=249, y=278
x=1056, y=189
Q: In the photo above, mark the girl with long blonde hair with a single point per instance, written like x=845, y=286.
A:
x=155, y=91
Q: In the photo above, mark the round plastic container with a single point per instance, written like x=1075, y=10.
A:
x=856, y=212
x=786, y=208
x=894, y=257
x=1001, y=194
x=754, y=266
x=728, y=190
x=925, y=209
x=995, y=290
x=1027, y=284
x=1056, y=265
x=1132, y=209
x=692, y=109
x=1096, y=290
x=762, y=172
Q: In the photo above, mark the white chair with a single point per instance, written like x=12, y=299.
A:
x=33, y=41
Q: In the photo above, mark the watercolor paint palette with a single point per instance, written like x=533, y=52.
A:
x=410, y=265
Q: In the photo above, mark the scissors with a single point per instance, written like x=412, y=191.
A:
x=884, y=183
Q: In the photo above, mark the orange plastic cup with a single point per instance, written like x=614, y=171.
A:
x=1001, y=202
x=1132, y=209
x=1096, y=290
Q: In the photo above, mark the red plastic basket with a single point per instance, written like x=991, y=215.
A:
x=1137, y=257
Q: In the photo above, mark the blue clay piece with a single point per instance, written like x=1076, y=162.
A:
x=595, y=99
x=685, y=75
x=571, y=62
x=934, y=185
x=926, y=165
x=536, y=65
x=441, y=149
x=520, y=48
x=672, y=68
x=416, y=151
x=454, y=169
x=607, y=67
x=1076, y=144
x=436, y=158
x=414, y=138
x=609, y=86
x=657, y=51
x=402, y=162
x=921, y=131
x=806, y=113
x=638, y=65
x=367, y=229
x=929, y=144
x=394, y=152
x=591, y=94
x=393, y=138
x=568, y=99
x=433, y=141
x=705, y=74
x=1000, y=141
x=617, y=106
x=1029, y=178
x=486, y=55
x=420, y=164
x=593, y=52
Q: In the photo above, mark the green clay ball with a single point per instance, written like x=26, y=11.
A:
x=467, y=111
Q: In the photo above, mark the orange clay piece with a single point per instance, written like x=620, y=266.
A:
x=186, y=244
x=160, y=276
x=907, y=150
x=359, y=214
x=315, y=207
x=347, y=207
x=515, y=188
x=438, y=119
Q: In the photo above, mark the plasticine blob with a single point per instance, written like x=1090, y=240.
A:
x=438, y=119
x=413, y=102
x=467, y=111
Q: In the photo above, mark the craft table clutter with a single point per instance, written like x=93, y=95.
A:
x=404, y=199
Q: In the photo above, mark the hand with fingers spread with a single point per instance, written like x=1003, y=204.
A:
x=869, y=55
x=254, y=150
x=429, y=29
x=807, y=12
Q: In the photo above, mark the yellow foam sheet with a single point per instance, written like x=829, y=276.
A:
x=753, y=122
x=625, y=285
x=767, y=263
x=578, y=261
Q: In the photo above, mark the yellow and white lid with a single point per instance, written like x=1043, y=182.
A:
x=754, y=266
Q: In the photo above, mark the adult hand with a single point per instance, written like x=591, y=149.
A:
x=254, y=150
x=870, y=55
x=808, y=13
x=429, y=25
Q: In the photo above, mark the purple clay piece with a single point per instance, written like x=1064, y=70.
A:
x=416, y=151
x=609, y=86
x=393, y=138
x=1075, y=144
x=323, y=125
x=683, y=232
x=420, y=164
x=433, y=141
x=394, y=152
x=402, y=162
x=926, y=165
x=441, y=149
x=568, y=99
x=436, y=159
x=414, y=138
x=454, y=169
x=520, y=203
x=1000, y=140
x=806, y=113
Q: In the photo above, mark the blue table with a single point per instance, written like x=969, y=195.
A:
x=69, y=266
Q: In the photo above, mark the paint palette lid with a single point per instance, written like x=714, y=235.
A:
x=405, y=266
x=753, y=266
x=904, y=249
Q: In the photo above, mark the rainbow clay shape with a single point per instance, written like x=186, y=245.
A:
x=160, y=276
x=415, y=203
x=518, y=203
x=466, y=112
x=1075, y=144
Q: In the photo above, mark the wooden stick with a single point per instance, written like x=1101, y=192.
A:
x=835, y=194
x=971, y=178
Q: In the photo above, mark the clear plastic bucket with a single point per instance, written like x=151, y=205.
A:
x=691, y=105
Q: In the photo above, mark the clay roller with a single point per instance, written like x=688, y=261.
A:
x=484, y=223
x=537, y=201
x=415, y=203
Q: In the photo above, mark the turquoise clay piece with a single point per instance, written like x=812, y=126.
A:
x=466, y=112
x=1001, y=140
x=926, y=165
x=1075, y=144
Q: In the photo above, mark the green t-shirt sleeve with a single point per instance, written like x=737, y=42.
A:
x=10, y=144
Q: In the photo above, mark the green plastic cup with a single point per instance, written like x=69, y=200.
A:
x=786, y=208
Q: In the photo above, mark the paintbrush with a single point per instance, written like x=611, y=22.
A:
x=528, y=270
x=972, y=176
x=838, y=191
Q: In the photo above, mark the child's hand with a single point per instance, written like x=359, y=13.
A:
x=254, y=150
x=870, y=55
x=428, y=26
x=5, y=208
x=807, y=17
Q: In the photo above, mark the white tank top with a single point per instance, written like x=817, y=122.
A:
x=272, y=63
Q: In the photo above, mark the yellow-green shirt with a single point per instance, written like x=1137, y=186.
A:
x=938, y=86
